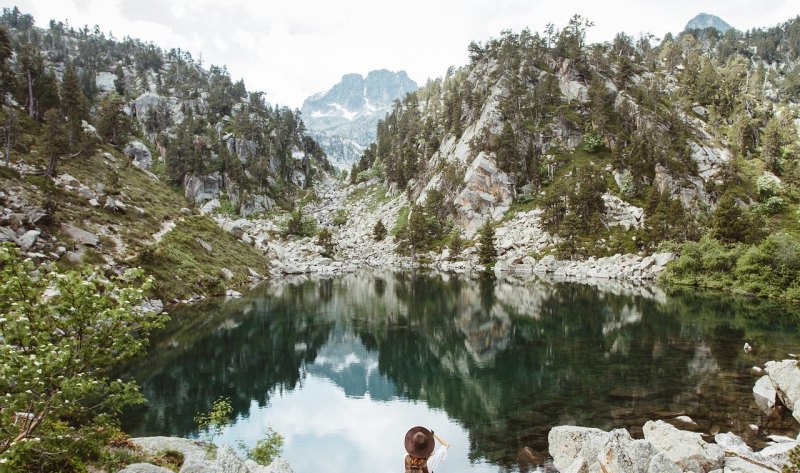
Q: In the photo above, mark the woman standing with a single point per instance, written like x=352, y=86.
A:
x=420, y=443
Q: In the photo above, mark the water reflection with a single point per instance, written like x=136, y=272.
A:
x=497, y=363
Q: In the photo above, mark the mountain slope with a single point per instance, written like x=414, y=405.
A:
x=343, y=118
x=614, y=147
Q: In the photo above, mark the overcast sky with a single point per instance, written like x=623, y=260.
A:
x=294, y=48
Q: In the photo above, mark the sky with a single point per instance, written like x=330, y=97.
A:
x=295, y=48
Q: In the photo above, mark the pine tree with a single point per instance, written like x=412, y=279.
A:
x=9, y=128
x=73, y=106
x=728, y=222
x=54, y=140
x=488, y=253
x=379, y=231
x=325, y=241
x=112, y=122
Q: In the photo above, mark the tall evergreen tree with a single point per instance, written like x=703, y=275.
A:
x=73, y=106
x=54, y=141
x=487, y=254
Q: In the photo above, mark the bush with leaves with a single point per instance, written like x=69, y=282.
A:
x=340, y=217
x=213, y=421
x=62, y=334
x=267, y=449
x=325, y=241
x=299, y=225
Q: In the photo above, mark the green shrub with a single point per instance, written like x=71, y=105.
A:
x=213, y=421
x=340, y=217
x=379, y=231
x=50, y=367
x=301, y=226
x=325, y=241
x=266, y=449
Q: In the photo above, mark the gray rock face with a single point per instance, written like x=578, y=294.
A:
x=140, y=154
x=192, y=450
x=487, y=194
x=199, y=189
x=81, y=236
x=144, y=468
x=785, y=377
x=687, y=449
x=229, y=462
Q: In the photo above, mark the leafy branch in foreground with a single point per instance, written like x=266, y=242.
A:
x=61, y=334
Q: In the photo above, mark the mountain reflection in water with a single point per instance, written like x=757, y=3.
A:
x=343, y=366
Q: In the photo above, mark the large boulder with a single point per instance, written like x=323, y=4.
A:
x=201, y=188
x=27, y=240
x=139, y=154
x=570, y=446
x=622, y=214
x=144, y=468
x=256, y=204
x=687, y=449
x=622, y=453
x=785, y=377
x=765, y=394
x=81, y=236
x=487, y=194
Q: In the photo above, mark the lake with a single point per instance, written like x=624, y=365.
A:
x=343, y=366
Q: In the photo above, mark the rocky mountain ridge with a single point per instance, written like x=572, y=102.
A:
x=343, y=118
x=706, y=20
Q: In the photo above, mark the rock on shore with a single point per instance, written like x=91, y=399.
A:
x=195, y=461
x=664, y=449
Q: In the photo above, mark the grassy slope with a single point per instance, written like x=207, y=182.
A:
x=179, y=263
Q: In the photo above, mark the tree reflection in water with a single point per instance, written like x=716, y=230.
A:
x=506, y=358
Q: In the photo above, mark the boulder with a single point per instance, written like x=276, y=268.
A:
x=622, y=453
x=229, y=462
x=785, y=377
x=7, y=234
x=570, y=444
x=210, y=206
x=192, y=450
x=778, y=453
x=140, y=155
x=226, y=273
x=765, y=394
x=201, y=188
x=144, y=468
x=661, y=463
x=115, y=205
x=206, y=245
x=231, y=294
x=28, y=239
x=736, y=464
x=256, y=204
x=687, y=449
x=81, y=236
x=281, y=465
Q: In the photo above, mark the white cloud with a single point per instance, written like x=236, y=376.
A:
x=294, y=49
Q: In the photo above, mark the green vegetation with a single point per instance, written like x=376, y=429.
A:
x=300, y=225
x=62, y=333
x=213, y=422
x=267, y=449
x=487, y=255
x=325, y=241
x=182, y=266
x=379, y=231
x=769, y=269
x=340, y=217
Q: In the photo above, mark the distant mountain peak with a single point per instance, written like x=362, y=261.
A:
x=343, y=118
x=707, y=20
